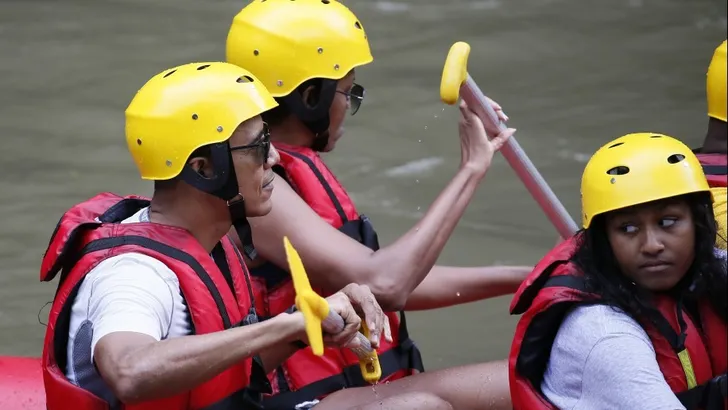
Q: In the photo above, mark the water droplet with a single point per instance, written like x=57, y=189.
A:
x=457, y=294
x=425, y=126
x=420, y=141
x=417, y=181
x=435, y=115
x=418, y=208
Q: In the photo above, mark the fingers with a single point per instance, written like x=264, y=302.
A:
x=494, y=104
x=499, y=140
x=350, y=300
x=339, y=302
x=463, y=105
x=466, y=114
x=363, y=299
x=498, y=110
x=502, y=116
x=387, y=330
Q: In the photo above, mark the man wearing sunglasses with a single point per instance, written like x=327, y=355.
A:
x=154, y=308
x=306, y=53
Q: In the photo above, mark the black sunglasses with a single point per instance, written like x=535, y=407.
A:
x=262, y=144
x=355, y=96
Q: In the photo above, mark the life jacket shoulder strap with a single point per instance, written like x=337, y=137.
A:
x=545, y=279
x=171, y=252
x=714, y=164
x=715, y=169
x=556, y=262
x=322, y=180
x=539, y=335
x=80, y=219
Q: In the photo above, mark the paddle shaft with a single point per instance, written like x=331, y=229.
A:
x=333, y=323
x=519, y=161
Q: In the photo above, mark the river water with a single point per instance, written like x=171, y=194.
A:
x=571, y=74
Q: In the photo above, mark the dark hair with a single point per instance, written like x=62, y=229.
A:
x=705, y=279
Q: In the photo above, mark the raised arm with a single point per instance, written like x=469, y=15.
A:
x=332, y=259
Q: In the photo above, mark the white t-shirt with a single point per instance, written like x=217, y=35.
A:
x=126, y=293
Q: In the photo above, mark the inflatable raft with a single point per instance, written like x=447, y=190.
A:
x=21, y=384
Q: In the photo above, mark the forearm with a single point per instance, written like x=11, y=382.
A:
x=160, y=369
x=409, y=259
x=447, y=286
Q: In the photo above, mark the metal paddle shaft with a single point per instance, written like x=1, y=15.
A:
x=519, y=161
x=333, y=324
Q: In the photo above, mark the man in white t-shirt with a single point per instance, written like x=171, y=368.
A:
x=154, y=305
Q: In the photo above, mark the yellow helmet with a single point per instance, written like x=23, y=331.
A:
x=638, y=168
x=716, y=84
x=285, y=42
x=187, y=107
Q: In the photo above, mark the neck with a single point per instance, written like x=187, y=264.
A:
x=204, y=216
x=291, y=132
x=716, y=138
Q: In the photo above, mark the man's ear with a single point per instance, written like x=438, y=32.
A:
x=201, y=165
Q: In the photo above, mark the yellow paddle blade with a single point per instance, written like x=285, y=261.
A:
x=313, y=307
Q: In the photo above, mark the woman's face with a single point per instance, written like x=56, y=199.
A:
x=654, y=243
x=339, y=109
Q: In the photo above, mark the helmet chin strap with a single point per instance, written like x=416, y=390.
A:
x=242, y=226
x=314, y=117
x=224, y=185
x=320, y=141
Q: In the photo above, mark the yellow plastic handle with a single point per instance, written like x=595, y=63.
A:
x=314, y=307
x=369, y=365
x=455, y=72
x=315, y=310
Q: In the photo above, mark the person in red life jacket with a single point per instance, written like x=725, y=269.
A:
x=713, y=154
x=306, y=53
x=630, y=312
x=154, y=308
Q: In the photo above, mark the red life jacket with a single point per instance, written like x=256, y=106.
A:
x=556, y=285
x=216, y=290
x=715, y=167
x=305, y=377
